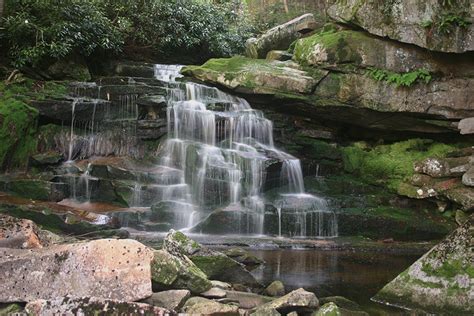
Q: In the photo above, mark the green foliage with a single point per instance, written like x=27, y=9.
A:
x=43, y=31
x=39, y=30
x=450, y=20
x=390, y=164
x=400, y=79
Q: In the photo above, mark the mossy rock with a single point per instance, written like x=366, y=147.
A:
x=177, y=272
x=18, y=125
x=328, y=309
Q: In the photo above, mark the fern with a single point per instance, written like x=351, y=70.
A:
x=400, y=79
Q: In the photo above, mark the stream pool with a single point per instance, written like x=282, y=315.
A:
x=355, y=275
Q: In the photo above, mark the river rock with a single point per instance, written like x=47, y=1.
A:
x=420, y=23
x=91, y=306
x=178, y=244
x=328, y=309
x=203, y=306
x=468, y=177
x=173, y=299
x=279, y=37
x=220, y=267
x=248, y=300
x=276, y=288
x=244, y=257
x=298, y=300
x=440, y=281
x=107, y=268
x=214, y=264
x=281, y=55
x=221, y=285
x=177, y=272
x=18, y=233
x=214, y=292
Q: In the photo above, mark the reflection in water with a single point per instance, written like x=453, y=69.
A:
x=355, y=275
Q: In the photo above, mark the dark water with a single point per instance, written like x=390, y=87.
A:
x=355, y=275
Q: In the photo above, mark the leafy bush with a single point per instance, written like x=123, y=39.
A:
x=38, y=30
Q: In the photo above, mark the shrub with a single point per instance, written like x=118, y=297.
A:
x=41, y=30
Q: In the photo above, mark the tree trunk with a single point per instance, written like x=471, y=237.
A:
x=1, y=8
x=285, y=3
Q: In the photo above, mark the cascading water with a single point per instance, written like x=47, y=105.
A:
x=222, y=148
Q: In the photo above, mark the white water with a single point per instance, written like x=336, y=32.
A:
x=223, y=146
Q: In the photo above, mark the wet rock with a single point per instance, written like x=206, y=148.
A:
x=248, y=300
x=341, y=302
x=173, y=299
x=422, y=22
x=135, y=69
x=462, y=195
x=108, y=268
x=220, y=267
x=178, y=243
x=18, y=233
x=440, y=281
x=281, y=55
x=298, y=300
x=214, y=292
x=276, y=288
x=177, y=272
x=461, y=217
x=203, y=306
x=468, y=177
x=36, y=189
x=70, y=68
x=244, y=257
x=279, y=37
x=328, y=309
x=91, y=306
x=48, y=158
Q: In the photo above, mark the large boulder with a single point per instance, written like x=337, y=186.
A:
x=255, y=76
x=214, y=264
x=436, y=25
x=91, y=306
x=280, y=37
x=106, y=268
x=298, y=300
x=177, y=272
x=18, y=233
x=276, y=288
x=440, y=281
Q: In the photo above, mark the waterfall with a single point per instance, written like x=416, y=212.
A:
x=222, y=147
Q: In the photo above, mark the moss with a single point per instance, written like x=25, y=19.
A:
x=18, y=125
x=450, y=269
x=31, y=189
x=389, y=165
x=213, y=266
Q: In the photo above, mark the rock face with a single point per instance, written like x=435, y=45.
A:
x=347, y=97
x=280, y=37
x=18, y=233
x=441, y=280
x=437, y=25
x=91, y=306
x=106, y=268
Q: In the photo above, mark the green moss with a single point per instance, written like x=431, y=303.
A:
x=31, y=189
x=18, y=125
x=213, y=266
x=389, y=165
x=450, y=269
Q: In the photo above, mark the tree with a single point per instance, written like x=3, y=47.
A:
x=1, y=8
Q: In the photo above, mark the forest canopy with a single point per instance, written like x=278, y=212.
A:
x=40, y=32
